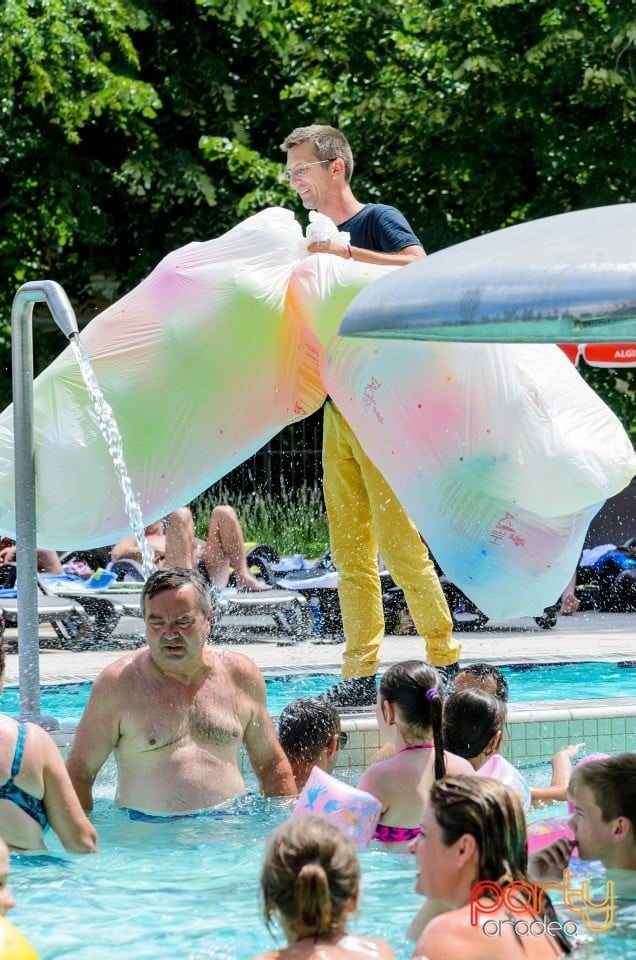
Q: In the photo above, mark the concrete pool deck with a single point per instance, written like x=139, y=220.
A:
x=534, y=730
x=590, y=635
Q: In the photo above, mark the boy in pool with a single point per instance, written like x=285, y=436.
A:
x=309, y=733
x=6, y=897
x=482, y=676
x=603, y=823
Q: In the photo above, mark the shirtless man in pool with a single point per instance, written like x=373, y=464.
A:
x=176, y=713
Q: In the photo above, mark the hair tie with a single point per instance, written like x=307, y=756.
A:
x=432, y=693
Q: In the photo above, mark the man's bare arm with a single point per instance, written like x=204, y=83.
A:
x=267, y=757
x=96, y=736
x=377, y=257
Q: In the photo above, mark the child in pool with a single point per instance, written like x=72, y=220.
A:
x=482, y=676
x=409, y=711
x=473, y=728
x=6, y=897
x=311, y=878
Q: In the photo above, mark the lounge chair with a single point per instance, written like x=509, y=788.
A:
x=290, y=612
x=69, y=619
x=80, y=620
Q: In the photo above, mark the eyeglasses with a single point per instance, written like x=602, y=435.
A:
x=301, y=168
x=343, y=740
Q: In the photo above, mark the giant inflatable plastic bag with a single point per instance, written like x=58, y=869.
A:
x=201, y=367
x=501, y=454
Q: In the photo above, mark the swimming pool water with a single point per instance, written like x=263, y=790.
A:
x=191, y=890
x=187, y=890
x=530, y=683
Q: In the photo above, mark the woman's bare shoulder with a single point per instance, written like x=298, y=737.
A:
x=456, y=765
x=447, y=937
x=369, y=947
x=451, y=936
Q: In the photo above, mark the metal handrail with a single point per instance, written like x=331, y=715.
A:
x=51, y=293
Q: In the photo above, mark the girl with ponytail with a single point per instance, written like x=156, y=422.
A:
x=311, y=879
x=409, y=711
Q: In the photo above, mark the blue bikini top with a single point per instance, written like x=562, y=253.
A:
x=10, y=791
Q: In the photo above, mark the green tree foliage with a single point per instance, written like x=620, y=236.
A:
x=71, y=104
x=129, y=127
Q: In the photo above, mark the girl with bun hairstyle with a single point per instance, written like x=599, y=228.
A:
x=311, y=879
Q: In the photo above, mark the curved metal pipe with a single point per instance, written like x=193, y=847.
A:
x=51, y=293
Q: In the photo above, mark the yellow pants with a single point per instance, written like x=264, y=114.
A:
x=365, y=518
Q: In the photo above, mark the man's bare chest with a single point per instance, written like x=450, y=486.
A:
x=162, y=721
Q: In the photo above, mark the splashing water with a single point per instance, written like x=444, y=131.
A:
x=112, y=436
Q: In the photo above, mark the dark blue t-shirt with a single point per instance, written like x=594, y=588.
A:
x=381, y=228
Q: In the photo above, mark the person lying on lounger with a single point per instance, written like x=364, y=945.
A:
x=47, y=560
x=175, y=545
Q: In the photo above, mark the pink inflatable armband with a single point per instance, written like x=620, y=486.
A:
x=544, y=832
x=354, y=811
x=500, y=769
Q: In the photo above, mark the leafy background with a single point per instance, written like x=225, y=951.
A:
x=130, y=128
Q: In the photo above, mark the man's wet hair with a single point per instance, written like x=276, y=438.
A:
x=484, y=671
x=305, y=727
x=173, y=578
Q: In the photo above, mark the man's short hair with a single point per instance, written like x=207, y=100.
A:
x=173, y=578
x=612, y=782
x=305, y=727
x=328, y=144
x=484, y=671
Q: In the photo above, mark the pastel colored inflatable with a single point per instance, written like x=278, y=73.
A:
x=13, y=944
x=544, y=832
x=356, y=812
x=500, y=454
x=562, y=279
x=498, y=768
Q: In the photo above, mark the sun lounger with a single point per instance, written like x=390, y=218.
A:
x=69, y=619
x=290, y=611
x=106, y=610
x=80, y=618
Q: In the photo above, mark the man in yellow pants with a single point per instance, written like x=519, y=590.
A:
x=365, y=517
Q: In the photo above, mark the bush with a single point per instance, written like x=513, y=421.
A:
x=291, y=521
